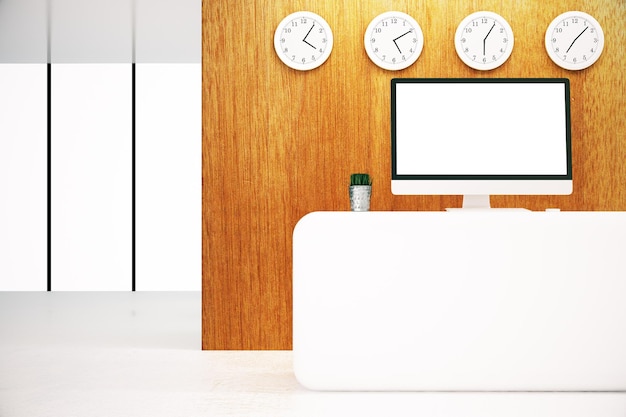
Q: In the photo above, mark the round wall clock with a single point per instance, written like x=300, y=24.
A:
x=484, y=40
x=574, y=40
x=393, y=40
x=303, y=40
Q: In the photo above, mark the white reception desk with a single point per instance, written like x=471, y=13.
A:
x=460, y=301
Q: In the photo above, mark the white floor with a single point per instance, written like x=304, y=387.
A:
x=67, y=354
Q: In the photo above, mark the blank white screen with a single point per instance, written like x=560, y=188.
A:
x=480, y=129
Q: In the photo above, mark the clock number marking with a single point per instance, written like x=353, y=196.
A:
x=469, y=31
x=294, y=25
x=567, y=48
x=383, y=28
x=393, y=40
x=484, y=40
x=303, y=40
x=574, y=40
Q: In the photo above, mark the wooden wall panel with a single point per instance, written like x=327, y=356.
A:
x=278, y=143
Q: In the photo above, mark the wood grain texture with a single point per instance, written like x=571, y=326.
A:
x=279, y=143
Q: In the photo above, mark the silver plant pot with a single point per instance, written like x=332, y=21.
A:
x=360, y=197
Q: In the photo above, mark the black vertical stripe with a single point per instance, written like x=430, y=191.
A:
x=49, y=176
x=133, y=60
x=133, y=176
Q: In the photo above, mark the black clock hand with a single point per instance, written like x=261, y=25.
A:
x=485, y=40
x=570, y=47
x=307, y=35
x=404, y=34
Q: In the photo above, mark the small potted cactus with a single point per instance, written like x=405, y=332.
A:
x=360, y=192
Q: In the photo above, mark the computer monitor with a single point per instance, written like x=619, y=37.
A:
x=480, y=136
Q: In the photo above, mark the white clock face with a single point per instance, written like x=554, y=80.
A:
x=574, y=40
x=393, y=40
x=484, y=40
x=303, y=40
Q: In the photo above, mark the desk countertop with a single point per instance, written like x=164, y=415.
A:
x=138, y=354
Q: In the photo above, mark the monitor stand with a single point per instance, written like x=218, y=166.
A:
x=480, y=202
x=476, y=202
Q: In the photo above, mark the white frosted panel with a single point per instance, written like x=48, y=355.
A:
x=168, y=31
x=91, y=31
x=91, y=177
x=23, y=31
x=23, y=201
x=168, y=176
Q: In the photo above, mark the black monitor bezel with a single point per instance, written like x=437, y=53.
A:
x=564, y=81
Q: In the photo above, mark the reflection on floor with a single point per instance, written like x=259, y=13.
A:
x=139, y=354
